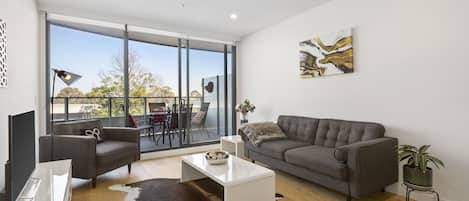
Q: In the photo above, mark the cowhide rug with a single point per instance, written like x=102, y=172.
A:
x=173, y=190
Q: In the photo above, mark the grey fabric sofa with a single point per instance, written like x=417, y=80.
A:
x=121, y=146
x=354, y=158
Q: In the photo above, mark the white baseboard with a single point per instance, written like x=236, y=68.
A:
x=177, y=152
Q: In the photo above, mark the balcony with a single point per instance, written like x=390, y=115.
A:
x=110, y=111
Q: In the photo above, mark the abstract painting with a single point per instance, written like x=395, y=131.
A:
x=327, y=54
x=3, y=54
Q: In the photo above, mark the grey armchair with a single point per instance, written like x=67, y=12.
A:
x=121, y=146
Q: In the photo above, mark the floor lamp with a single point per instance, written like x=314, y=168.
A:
x=68, y=78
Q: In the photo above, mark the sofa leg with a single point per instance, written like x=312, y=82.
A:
x=253, y=161
x=129, y=167
x=93, y=182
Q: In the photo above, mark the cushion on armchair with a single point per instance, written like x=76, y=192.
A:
x=95, y=132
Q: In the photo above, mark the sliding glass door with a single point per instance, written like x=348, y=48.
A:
x=206, y=80
x=178, y=91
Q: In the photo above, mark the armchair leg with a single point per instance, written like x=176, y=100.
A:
x=129, y=167
x=93, y=182
x=349, y=198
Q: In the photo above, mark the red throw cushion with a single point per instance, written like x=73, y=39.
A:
x=158, y=118
x=132, y=121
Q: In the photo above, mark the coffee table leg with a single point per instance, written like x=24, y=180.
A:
x=257, y=190
x=188, y=173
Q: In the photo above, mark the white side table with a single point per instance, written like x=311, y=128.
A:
x=233, y=145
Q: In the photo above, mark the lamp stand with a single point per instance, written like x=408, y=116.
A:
x=52, y=119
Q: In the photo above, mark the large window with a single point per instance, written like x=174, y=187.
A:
x=98, y=60
x=130, y=70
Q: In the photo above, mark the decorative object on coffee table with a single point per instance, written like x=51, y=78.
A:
x=244, y=108
x=417, y=175
x=3, y=54
x=217, y=157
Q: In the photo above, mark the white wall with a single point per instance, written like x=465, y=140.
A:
x=411, y=75
x=21, y=94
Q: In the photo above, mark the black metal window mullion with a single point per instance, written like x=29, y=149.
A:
x=48, y=95
x=179, y=88
x=126, y=76
x=233, y=90
x=188, y=111
x=225, y=87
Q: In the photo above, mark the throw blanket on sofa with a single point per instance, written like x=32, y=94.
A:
x=262, y=131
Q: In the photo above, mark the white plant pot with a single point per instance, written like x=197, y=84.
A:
x=243, y=116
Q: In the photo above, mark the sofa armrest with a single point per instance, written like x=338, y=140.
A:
x=243, y=135
x=373, y=164
x=121, y=134
x=80, y=148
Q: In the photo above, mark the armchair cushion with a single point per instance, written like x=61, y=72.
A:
x=110, y=153
x=319, y=159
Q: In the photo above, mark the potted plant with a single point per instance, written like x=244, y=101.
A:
x=416, y=171
x=245, y=107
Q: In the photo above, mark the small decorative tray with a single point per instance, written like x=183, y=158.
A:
x=217, y=157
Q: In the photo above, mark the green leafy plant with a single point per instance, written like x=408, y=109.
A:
x=245, y=106
x=419, y=157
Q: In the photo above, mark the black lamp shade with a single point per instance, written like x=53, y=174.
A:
x=67, y=77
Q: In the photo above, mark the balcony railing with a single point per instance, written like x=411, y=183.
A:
x=110, y=109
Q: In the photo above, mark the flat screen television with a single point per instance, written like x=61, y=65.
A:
x=22, y=153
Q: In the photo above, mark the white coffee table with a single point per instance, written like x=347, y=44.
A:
x=241, y=180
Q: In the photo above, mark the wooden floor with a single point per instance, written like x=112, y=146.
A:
x=292, y=188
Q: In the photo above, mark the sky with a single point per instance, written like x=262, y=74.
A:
x=88, y=54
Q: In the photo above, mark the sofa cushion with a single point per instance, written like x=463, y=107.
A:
x=336, y=133
x=299, y=128
x=111, y=152
x=276, y=148
x=318, y=159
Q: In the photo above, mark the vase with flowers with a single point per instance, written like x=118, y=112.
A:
x=244, y=108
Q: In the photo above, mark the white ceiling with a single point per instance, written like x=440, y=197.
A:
x=206, y=18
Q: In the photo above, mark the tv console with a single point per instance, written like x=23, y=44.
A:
x=49, y=181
